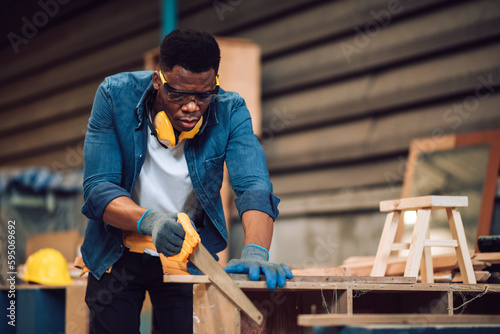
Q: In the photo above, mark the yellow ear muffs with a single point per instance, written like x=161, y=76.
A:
x=165, y=130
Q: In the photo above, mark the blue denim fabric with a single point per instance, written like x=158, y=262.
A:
x=115, y=149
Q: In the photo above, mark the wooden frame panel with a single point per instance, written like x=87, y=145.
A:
x=433, y=144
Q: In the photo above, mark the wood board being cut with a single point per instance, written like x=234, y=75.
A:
x=346, y=295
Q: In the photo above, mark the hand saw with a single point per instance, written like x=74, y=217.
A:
x=193, y=249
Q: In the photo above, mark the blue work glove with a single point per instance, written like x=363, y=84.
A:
x=255, y=259
x=168, y=234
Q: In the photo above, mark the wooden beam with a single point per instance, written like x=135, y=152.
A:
x=458, y=234
x=319, y=271
x=413, y=203
x=385, y=244
x=244, y=279
x=310, y=320
x=210, y=304
x=491, y=258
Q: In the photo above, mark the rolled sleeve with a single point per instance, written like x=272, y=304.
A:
x=261, y=200
x=100, y=197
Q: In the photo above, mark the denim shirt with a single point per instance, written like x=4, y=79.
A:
x=116, y=146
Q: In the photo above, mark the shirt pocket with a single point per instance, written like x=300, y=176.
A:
x=214, y=169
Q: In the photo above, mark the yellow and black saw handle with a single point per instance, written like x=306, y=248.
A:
x=191, y=239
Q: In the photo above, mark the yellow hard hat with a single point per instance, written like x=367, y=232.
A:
x=47, y=266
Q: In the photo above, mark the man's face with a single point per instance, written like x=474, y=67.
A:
x=183, y=116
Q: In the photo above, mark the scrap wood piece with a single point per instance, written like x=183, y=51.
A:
x=310, y=320
x=317, y=271
x=481, y=276
x=490, y=258
x=362, y=265
x=454, y=276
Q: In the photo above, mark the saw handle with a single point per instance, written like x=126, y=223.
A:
x=191, y=239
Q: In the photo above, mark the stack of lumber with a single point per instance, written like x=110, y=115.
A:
x=445, y=266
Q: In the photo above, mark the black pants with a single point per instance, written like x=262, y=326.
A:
x=115, y=301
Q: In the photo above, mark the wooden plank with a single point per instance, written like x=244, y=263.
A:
x=239, y=71
x=349, y=297
x=489, y=258
x=93, y=66
x=450, y=302
x=413, y=203
x=385, y=244
x=426, y=266
x=341, y=304
x=395, y=319
x=209, y=304
x=103, y=24
x=458, y=233
x=324, y=20
x=77, y=312
x=242, y=279
x=489, y=188
x=319, y=271
x=205, y=262
x=481, y=276
x=417, y=243
x=400, y=246
x=440, y=243
x=370, y=137
x=360, y=49
x=396, y=87
x=362, y=265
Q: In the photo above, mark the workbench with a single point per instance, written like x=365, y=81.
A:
x=342, y=295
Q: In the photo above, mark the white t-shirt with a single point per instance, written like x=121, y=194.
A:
x=164, y=183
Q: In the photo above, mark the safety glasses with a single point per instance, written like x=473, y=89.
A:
x=184, y=97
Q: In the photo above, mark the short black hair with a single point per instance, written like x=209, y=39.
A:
x=196, y=51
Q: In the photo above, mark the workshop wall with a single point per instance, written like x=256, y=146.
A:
x=346, y=85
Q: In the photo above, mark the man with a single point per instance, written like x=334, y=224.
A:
x=155, y=146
